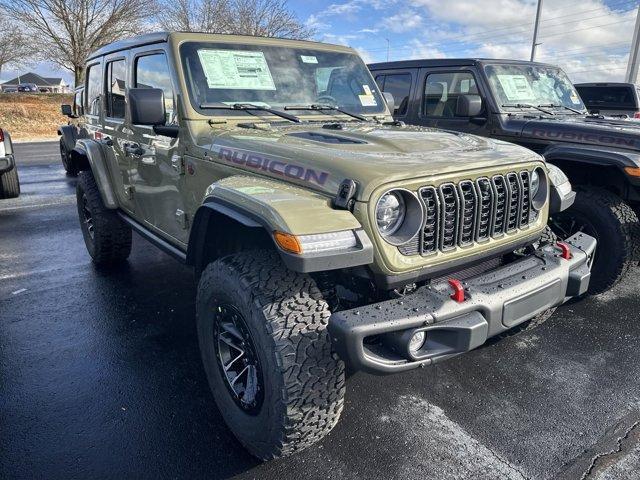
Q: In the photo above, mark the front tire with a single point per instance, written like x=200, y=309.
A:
x=292, y=391
x=67, y=163
x=10, y=184
x=614, y=225
x=106, y=236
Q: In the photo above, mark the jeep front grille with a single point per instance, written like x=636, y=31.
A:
x=472, y=211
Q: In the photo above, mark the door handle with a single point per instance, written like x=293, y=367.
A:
x=131, y=149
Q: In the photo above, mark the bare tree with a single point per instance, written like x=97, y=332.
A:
x=265, y=18
x=15, y=49
x=67, y=31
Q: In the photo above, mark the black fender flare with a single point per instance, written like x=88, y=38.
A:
x=592, y=155
x=88, y=155
x=68, y=135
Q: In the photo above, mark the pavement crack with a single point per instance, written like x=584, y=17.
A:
x=598, y=459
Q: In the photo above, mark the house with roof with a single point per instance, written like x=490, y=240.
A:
x=44, y=84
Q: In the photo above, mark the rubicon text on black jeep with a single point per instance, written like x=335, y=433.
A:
x=536, y=106
x=322, y=231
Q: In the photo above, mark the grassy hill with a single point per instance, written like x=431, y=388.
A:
x=31, y=116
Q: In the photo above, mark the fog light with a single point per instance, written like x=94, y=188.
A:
x=417, y=342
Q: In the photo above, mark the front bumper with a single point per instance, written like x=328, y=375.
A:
x=7, y=163
x=495, y=302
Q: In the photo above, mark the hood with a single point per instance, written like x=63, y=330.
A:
x=321, y=158
x=606, y=132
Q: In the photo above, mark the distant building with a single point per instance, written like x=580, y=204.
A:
x=45, y=84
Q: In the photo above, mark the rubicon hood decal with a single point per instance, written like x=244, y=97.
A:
x=276, y=166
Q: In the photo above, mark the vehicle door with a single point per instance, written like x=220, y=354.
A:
x=439, y=90
x=156, y=168
x=94, y=124
x=400, y=84
x=116, y=132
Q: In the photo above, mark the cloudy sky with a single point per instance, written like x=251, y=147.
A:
x=589, y=38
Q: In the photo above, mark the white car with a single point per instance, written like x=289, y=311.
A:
x=9, y=182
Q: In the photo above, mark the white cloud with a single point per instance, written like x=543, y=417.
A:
x=403, y=21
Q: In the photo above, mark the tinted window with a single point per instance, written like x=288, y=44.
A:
x=607, y=97
x=115, y=87
x=442, y=90
x=94, y=89
x=399, y=86
x=152, y=71
x=77, y=103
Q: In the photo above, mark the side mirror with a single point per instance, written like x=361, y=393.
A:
x=146, y=106
x=67, y=111
x=391, y=103
x=468, y=106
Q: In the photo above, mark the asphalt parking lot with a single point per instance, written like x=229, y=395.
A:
x=100, y=377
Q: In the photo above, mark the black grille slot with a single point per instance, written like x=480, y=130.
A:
x=457, y=215
x=485, y=208
x=513, y=198
x=500, y=192
x=468, y=208
x=432, y=215
x=450, y=208
x=526, y=198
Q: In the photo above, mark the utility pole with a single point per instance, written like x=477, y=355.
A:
x=634, y=53
x=535, y=31
x=388, y=45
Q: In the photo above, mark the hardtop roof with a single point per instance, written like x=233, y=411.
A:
x=161, y=37
x=448, y=62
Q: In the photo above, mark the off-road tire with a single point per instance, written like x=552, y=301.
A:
x=304, y=381
x=67, y=163
x=10, y=184
x=111, y=240
x=618, y=235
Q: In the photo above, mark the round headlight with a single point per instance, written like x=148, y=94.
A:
x=535, y=183
x=390, y=213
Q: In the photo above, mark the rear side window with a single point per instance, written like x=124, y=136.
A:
x=152, y=71
x=608, y=97
x=398, y=85
x=442, y=90
x=115, y=88
x=94, y=89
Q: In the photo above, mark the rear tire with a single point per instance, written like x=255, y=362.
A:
x=107, y=237
x=67, y=163
x=613, y=223
x=10, y=184
x=301, y=383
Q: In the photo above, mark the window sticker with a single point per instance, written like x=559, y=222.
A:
x=516, y=87
x=575, y=99
x=367, y=89
x=368, y=100
x=308, y=59
x=236, y=69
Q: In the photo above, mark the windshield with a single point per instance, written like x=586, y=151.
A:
x=275, y=77
x=516, y=85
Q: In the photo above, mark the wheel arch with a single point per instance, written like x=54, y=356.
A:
x=595, y=167
x=87, y=154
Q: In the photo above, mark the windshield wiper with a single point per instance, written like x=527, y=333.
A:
x=528, y=105
x=552, y=105
x=247, y=107
x=321, y=108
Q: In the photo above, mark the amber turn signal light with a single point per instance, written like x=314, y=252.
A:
x=287, y=242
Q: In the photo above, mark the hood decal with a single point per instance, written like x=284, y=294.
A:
x=270, y=164
x=577, y=136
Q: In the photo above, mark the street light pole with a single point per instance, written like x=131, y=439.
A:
x=535, y=31
x=634, y=53
x=388, y=45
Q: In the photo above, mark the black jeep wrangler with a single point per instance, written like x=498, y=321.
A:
x=535, y=105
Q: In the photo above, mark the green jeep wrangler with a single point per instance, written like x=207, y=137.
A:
x=322, y=232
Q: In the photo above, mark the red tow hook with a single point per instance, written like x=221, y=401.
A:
x=458, y=290
x=566, y=250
